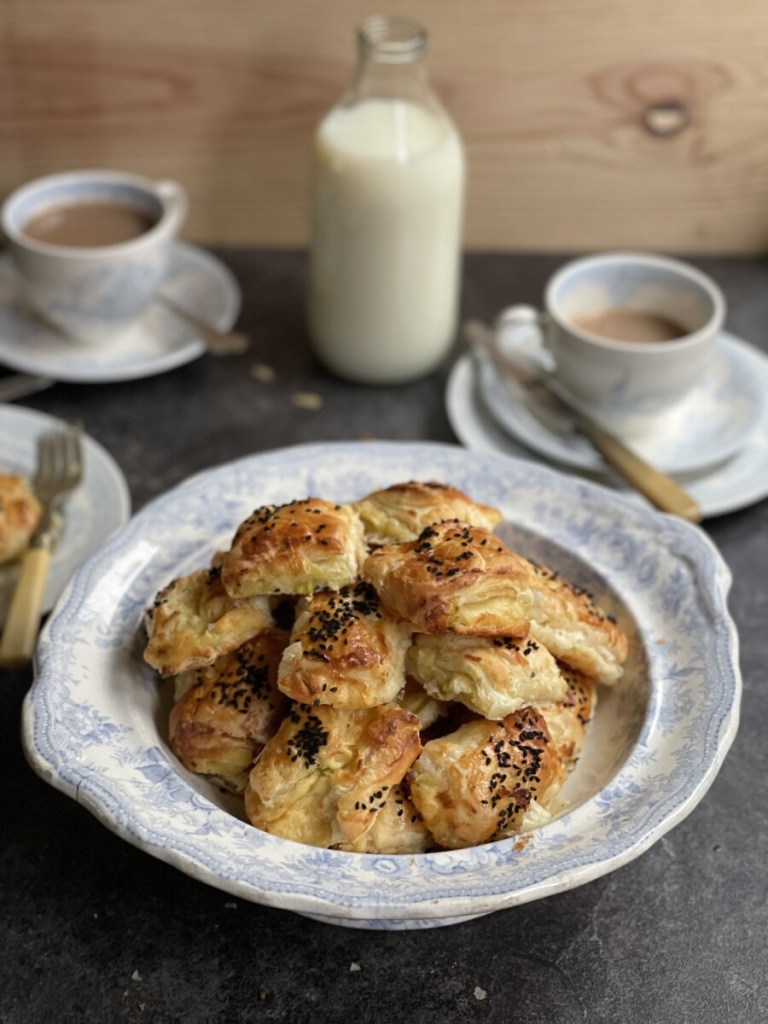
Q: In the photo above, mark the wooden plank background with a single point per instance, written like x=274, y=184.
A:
x=553, y=97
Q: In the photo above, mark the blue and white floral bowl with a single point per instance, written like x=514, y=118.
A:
x=94, y=720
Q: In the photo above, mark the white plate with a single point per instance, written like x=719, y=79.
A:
x=158, y=342
x=735, y=484
x=707, y=427
x=91, y=515
x=93, y=723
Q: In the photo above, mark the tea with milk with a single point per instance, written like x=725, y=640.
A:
x=88, y=224
x=619, y=324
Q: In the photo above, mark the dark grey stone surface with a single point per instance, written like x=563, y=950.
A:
x=92, y=929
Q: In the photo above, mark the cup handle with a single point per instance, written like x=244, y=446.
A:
x=175, y=198
x=521, y=330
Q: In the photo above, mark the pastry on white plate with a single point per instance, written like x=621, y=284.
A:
x=19, y=515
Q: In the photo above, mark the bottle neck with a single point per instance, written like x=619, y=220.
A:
x=391, y=62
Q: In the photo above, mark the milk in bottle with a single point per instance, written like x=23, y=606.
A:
x=387, y=215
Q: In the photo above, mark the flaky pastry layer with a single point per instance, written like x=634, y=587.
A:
x=567, y=719
x=574, y=628
x=193, y=620
x=345, y=650
x=399, y=513
x=295, y=548
x=454, y=578
x=230, y=710
x=327, y=773
x=492, y=676
x=479, y=782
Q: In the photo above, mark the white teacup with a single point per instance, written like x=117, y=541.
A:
x=625, y=384
x=98, y=292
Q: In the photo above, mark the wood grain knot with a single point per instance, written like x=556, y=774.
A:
x=666, y=118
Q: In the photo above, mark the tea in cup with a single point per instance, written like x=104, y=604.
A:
x=625, y=335
x=92, y=247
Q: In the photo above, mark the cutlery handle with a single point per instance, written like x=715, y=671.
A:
x=661, y=490
x=220, y=343
x=23, y=621
x=20, y=385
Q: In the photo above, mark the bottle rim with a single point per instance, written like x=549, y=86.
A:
x=392, y=39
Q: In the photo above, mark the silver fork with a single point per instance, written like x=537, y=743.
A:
x=58, y=472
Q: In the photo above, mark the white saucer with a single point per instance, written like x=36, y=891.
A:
x=91, y=515
x=735, y=484
x=158, y=342
x=709, y=426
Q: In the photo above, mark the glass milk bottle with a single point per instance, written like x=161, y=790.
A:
x=388, y=192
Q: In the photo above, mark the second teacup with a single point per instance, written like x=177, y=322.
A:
x=92, y=247
x=626, y=335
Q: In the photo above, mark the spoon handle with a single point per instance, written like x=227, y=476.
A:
x=220, y=343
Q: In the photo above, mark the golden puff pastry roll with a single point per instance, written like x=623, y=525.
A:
x=326, y=774
x=487, y=780
x=567, y=719
x=574, y=628
x=397, y=828
x=454, y=578
x=19, y=515
x=294, y=549
x=232, y=708
x=193, y=621
x=491, y=676
x=399, y=513
x=345, y=650
x=414, y=698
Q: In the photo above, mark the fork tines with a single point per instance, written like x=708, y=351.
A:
x=59, y=459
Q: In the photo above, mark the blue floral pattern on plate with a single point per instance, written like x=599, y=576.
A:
x=94, y=720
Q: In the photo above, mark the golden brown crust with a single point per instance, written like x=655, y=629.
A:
x=232, y=708
x=574, y=628
x=462, y=579
x=327, y=773
x=480, y=782
x=397, y=828
x=345, y=650
x=567, y=719
x=491, y=676
x=19, y=515
x=454, y=578
x=399, y=513
x=193, y=621
x=294, y=549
